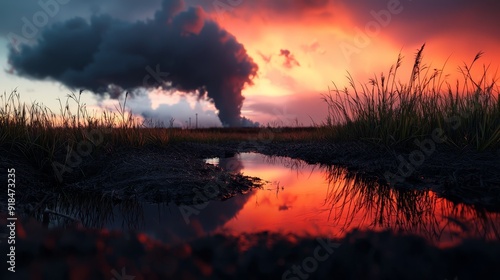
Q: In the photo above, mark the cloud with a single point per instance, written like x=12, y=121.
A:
x=291, y=7
x=420, y=20
x=290, y=60
x=296, y=8
x=313, y=47
x=13, y=12
x=298, y=109
x=178, y=48
x=156, y=110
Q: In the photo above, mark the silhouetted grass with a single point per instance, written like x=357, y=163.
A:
x=392, y=113
x=41, y=136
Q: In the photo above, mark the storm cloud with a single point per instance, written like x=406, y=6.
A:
x=178, y=48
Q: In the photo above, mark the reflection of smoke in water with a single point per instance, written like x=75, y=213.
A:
x=231, y=164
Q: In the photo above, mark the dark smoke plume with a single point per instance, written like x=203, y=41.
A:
x=107, y=55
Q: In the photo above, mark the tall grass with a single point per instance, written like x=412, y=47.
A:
x=41, y=136
x=389, y=112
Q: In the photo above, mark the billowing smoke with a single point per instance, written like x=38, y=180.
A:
x=179, y=48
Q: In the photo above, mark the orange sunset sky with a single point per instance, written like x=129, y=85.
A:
x=299, y=48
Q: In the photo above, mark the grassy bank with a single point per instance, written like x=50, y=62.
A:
x=389, y=112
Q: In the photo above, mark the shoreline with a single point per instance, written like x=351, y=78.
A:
x=464, y=176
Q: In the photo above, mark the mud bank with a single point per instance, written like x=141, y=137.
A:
x=464, y=175
x=150, y=174
x=176, y=172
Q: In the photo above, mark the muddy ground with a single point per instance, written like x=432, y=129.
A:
x=176, y=173
x=93, y=254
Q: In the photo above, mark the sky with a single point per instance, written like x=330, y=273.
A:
x=268, y=61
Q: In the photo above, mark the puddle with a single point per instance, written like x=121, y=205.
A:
x=298, y=198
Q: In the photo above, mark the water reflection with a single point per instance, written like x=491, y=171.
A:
x=162, y=221
x=357, y=203
x=327, y=200
x=91, y=210
x=299, y=198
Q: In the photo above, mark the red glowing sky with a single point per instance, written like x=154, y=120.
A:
x=328, y=38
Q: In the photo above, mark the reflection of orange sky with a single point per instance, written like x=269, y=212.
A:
x=302, y=207
x=262, y=211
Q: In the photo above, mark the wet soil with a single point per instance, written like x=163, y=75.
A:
x=176, y=173
x=466, y=175
x=100, y=254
